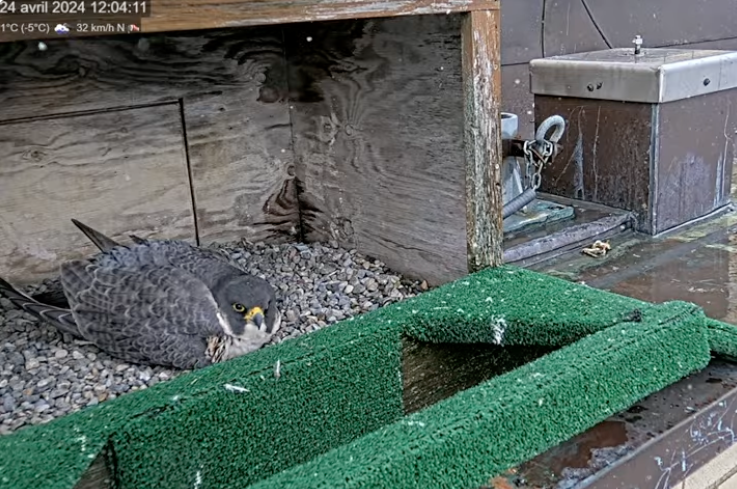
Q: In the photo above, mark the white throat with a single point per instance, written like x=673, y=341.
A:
x=222, y=348
x=236, y=346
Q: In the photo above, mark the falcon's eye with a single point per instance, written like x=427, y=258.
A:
x=239, y=307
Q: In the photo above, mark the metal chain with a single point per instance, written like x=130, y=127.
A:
x=537, y=159
x=538, y=151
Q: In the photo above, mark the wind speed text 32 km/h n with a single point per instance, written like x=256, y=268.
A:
x=109, y=27
x=74, y=7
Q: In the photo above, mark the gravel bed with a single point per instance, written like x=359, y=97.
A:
x=45, y=374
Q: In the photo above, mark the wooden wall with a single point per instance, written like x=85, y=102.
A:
x=135, y=134
x=349, y=131
x=358, y=122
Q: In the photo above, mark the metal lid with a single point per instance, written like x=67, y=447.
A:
x=653, y=76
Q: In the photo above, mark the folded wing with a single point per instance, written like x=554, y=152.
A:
x=154, y=314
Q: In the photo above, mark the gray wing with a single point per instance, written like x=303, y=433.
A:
x=205, y=264
x=154, y=315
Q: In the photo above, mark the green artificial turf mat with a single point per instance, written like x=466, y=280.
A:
x=234, y=424
x=333, y=386
x=467, y=439
x=514, y=306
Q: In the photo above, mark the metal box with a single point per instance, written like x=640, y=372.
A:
x=651, y=132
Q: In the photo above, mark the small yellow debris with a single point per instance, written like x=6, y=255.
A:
x=598, y=249
x=501, y=482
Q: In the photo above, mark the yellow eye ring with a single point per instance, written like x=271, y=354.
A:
x=239, y=308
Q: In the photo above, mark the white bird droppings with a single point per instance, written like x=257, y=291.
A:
x=235, y=388
x=499, y=327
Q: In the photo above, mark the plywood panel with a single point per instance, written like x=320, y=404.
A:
x=74, y=75
x=242, y=169
x=378, y=119
x=178, y=15
x=231, y=85
x=121, y=172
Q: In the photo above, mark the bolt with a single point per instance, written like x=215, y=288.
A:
x=637, y=41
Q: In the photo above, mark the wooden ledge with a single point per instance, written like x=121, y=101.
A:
x=175, y=15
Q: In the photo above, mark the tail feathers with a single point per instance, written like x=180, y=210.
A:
x=137, y=240
x=98, y=239
x=59, y=317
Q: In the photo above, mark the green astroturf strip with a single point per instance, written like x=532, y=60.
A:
x=237, y=434
x=722, y=338
x=339, y=395
x=513, y=306
x=465, y=440
x=236, y=419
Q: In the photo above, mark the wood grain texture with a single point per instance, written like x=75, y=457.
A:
x=120, y=172
x=231, y=85
x=377, y=123
x=170, y=15
x=433, y=372
x=78, y=75
x=176, y=15
x=243, y=174
x=99, y=475
x=482, y=136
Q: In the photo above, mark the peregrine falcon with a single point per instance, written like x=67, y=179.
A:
x=159, y=302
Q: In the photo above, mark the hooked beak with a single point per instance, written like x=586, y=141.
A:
x=256, y=315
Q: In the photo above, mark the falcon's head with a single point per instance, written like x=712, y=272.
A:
x=248, y=305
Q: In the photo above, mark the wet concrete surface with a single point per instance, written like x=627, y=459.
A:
x=698, y=265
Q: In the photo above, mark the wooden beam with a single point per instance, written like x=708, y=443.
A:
x=176, y=15
x=482, y=134
x=201, y=14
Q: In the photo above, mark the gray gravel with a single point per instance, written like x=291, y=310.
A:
x=45, y=374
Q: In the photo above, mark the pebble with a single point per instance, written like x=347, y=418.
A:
x=45, y=374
